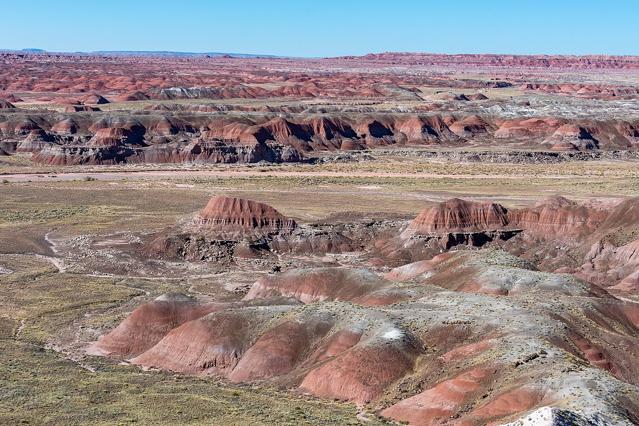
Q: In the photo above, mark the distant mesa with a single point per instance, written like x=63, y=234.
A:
x=204, y=133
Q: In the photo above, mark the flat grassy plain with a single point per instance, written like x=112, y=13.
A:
x=48, y=314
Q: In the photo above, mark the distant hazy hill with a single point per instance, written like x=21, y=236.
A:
x=169, y=53
x=146, y=53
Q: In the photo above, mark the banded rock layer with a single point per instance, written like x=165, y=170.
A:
x=106, y=138
x=228, y=216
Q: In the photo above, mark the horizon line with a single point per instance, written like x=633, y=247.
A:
x=243, y=55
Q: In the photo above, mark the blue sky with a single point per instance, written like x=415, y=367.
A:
x=324, y=27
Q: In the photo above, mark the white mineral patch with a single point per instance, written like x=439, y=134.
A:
x=173, y=297
x=393, y=334
x=552, y=416
x=541, y=417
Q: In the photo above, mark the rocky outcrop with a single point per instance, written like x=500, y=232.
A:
x=613, y=258
x=35, y=141
x=458, y=216
x=112, y=137
x=63, y=155
x=471, y=126
x=528, y=128
x=571, y=137
x=66, y=126
x=80, y=108
x=477, y=97
x=502, y=274
x=230, y=217
x=5, y=104
x=214, y=152
x=132, y=96
x=552, y=218
x=556, y=234
x=594, y=242
x=233, y=228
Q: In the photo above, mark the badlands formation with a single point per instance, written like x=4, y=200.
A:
x=464, y=336
x=427, y=239
x=138, y=112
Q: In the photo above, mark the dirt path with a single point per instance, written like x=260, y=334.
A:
x=163, y=174
x=58, y=262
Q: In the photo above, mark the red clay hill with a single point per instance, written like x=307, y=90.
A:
x=229, y=228
x=457, y=215
x=595, y=242
x=447, y=345
x=229, y=216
